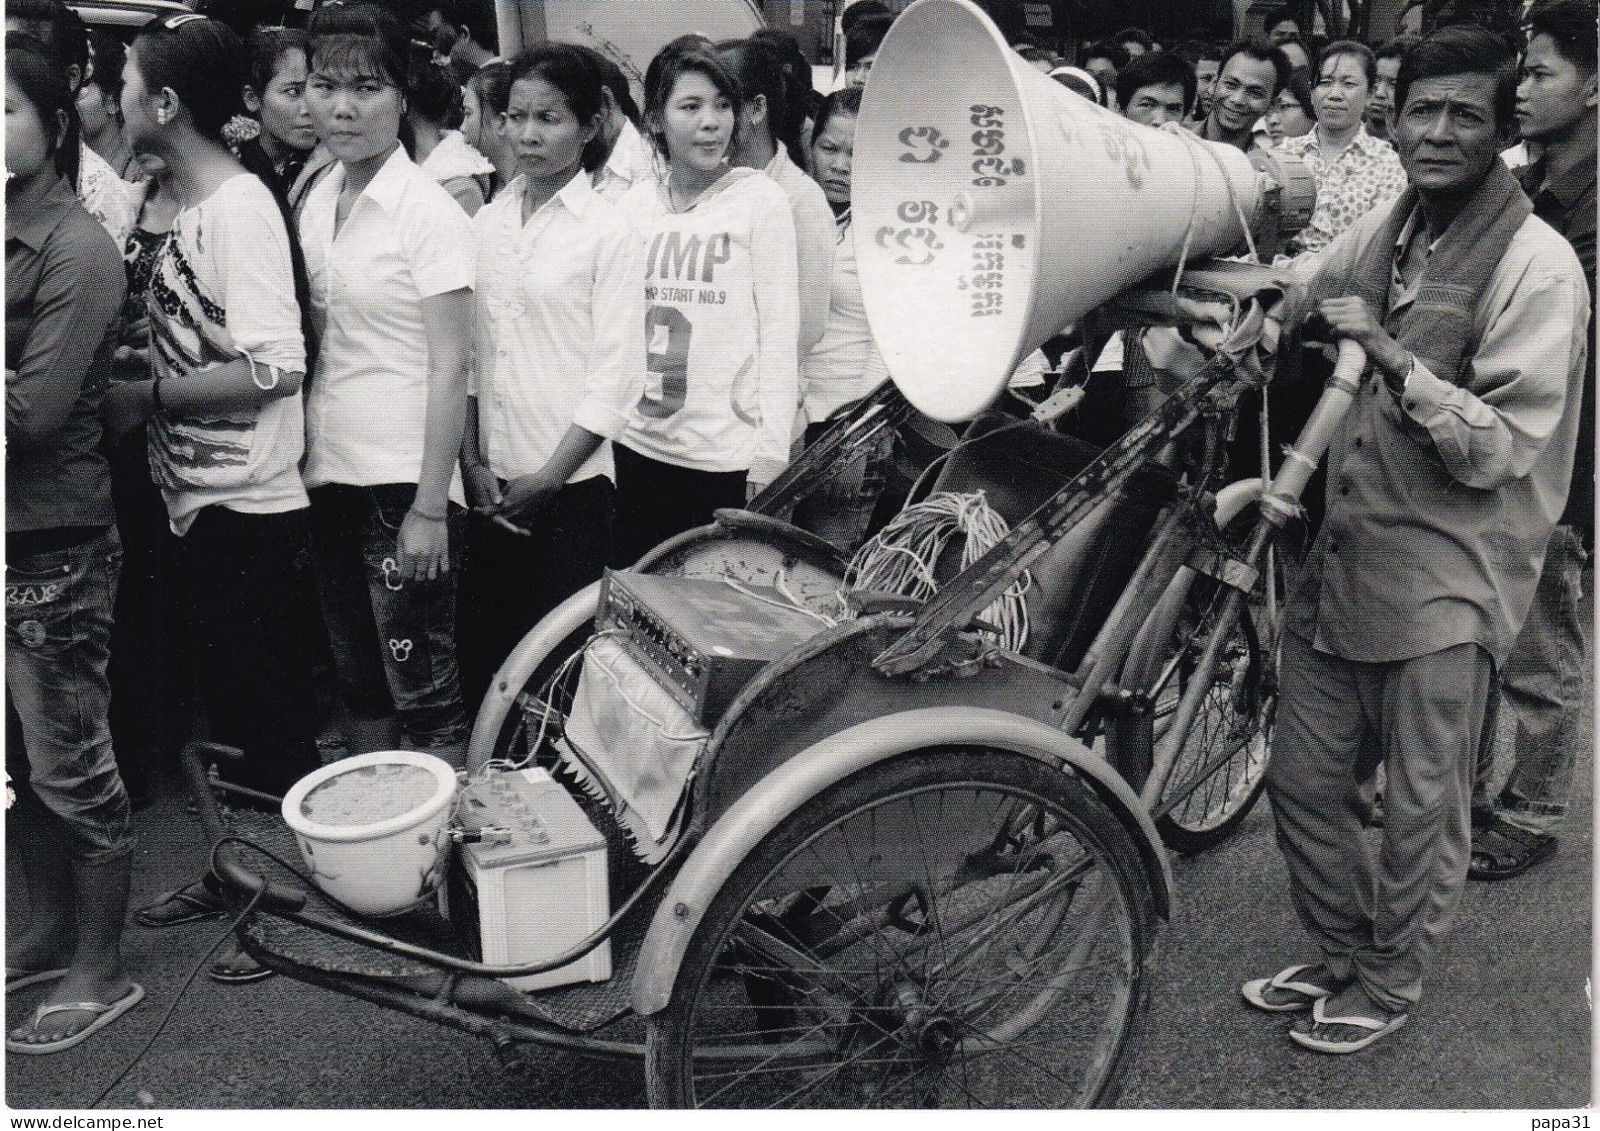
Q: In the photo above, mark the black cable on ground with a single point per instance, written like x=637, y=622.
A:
x=183, y=989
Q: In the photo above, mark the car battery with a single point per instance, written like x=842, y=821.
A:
x=536, y=881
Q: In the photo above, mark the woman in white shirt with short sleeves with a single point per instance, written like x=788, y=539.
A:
x=226, y=425
x=714, y=423
x=390, y=259
x=560, y=363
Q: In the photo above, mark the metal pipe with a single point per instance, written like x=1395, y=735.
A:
x=1116, y=636
x=430, y=1009
x=228, y=870
x=1280, y=502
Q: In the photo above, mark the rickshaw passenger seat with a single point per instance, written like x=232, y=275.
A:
x=1078, y=580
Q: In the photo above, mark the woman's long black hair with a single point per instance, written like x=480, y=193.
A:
x=761, y=69
x=36, y=70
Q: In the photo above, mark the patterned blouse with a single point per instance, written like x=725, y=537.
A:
x=1351, y=183
x=222, y=287
x=109, y=199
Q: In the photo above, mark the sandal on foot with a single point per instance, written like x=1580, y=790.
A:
x=1284, y=992
x=1501, y=851
x=1373, y=1030
x=236, y=968
x=22, y=979
x=105, y=1013
x=186, y=905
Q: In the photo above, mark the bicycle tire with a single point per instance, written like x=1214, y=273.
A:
x=1239, y=711
x=853, y=959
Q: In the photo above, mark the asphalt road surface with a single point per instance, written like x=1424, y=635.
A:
x=1504, y=1022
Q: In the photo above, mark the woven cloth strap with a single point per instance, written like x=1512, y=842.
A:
x=1437, y=326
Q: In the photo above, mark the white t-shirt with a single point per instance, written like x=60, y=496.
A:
x=224, y=287
x=814, y=236
x=405, y=240
x=845, y=365
x=721, y=322
x=560, y=327
x=632, y=160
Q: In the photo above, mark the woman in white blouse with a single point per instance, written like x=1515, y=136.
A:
x=436, y=108
x=226, y=428
x=769, y=140
x=845, y=365
x=560, y=362
x=390, y=259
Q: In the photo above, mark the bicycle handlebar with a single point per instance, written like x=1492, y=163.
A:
x=1337, y=396
x=229, y=871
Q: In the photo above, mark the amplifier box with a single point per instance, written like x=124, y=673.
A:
x=701, y=639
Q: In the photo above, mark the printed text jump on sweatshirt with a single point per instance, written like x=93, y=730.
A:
x=721, y=323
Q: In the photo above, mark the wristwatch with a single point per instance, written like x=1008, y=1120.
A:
x=1397, y=385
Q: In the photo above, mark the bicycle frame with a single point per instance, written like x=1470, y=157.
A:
x=1177, y=534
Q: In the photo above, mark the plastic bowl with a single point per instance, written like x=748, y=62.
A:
x=382, y=866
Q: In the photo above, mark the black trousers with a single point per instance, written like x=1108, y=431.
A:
x=152, y=701
x=656, y=500
x=511, y=581
x=247, y=583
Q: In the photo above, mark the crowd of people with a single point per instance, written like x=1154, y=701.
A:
x=334, y=364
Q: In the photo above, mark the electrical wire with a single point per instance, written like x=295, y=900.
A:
x=792, y=605
x=901, y=557
x=183, y=989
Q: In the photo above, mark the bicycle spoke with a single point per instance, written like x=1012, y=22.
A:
x=945, y=911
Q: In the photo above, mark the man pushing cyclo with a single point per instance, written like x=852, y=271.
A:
x=1445, y=483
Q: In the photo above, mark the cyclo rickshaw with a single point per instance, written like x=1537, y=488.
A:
x=853, y=851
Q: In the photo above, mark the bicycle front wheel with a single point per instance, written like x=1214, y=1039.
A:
x=1221, y=768
x=951, y=928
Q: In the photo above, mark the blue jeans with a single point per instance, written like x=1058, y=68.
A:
x=58, y=632
x=394, y=641
x=1542, y=689
x=840, y=509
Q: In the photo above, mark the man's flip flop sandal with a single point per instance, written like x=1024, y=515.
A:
x=1299, y=995
x=22, y=979
x=1376, y=1031
x=1502, y=851
x=106, y=1013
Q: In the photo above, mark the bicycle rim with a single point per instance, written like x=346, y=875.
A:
x=971, y=940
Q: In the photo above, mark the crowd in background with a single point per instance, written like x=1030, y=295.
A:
x=336, y=360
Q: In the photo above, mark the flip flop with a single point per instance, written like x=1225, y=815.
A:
x=1376, y=1031
x=227, y=969
x=22, y=979
x=1309, y=993
x=1502, y=851
x=106, y=1014
x=192, y=904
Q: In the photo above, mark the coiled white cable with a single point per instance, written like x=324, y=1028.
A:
x=901, y=557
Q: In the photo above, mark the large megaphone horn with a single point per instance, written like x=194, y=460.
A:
x=992, y=206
